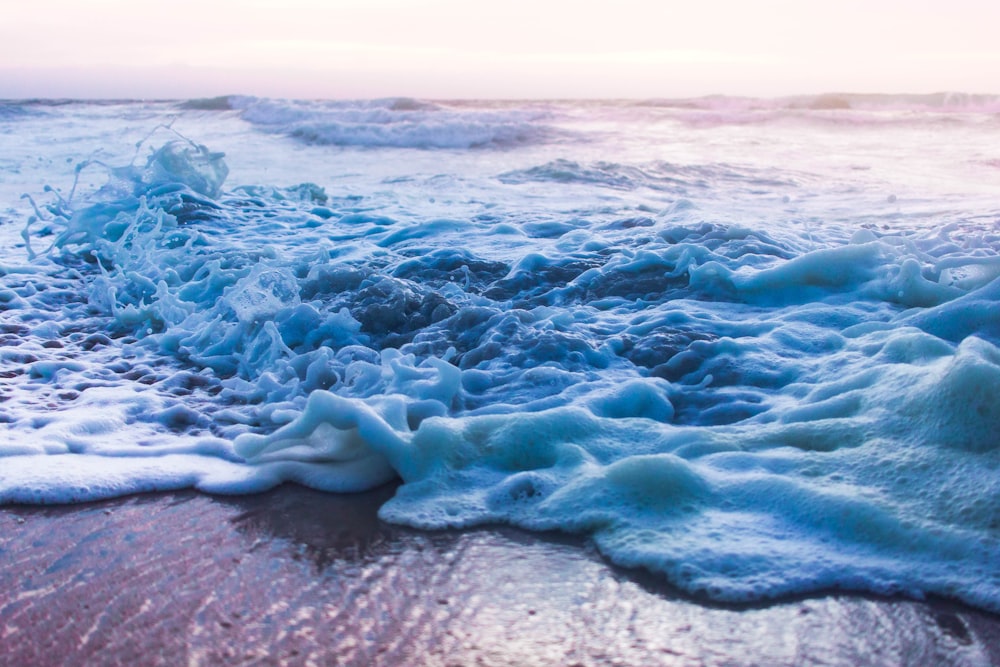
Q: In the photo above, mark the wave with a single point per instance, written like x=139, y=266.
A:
x=394, y=122
x=935, y=102
x=12, y=111
x=660, y=176
x=748, y=415
x=830, y=108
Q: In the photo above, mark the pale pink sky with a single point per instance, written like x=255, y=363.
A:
x=509, y=48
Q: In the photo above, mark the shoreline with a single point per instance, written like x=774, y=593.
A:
x=295, y=576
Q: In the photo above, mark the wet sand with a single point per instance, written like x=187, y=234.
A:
x=296, y=577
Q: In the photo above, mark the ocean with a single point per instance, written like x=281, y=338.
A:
x=749, y=345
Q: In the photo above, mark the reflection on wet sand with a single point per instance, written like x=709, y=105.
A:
x=299, y=577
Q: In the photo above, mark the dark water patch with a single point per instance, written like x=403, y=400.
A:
x=221, y=103
x=537, y=279
x=392, y=310
x=650, y=283
x=452, y=266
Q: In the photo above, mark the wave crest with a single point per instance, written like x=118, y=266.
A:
x=395, y=122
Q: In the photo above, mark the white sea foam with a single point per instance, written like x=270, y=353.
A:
x=740, y=365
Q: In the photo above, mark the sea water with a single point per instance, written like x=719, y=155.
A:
x=751, y=345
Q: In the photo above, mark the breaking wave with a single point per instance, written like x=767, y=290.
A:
x=396, y=122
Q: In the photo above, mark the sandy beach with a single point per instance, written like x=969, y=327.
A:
x=296, y=577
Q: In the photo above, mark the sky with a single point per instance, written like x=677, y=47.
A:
x=444, y=49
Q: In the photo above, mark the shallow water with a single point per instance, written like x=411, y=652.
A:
x=748, y=344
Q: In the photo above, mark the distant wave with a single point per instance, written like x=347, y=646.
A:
x=14, y=111
x=942, y=102
x=393, y=122
x=827, y=108
x=220, y=103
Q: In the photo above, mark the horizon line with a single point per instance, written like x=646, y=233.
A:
x=39, y=99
